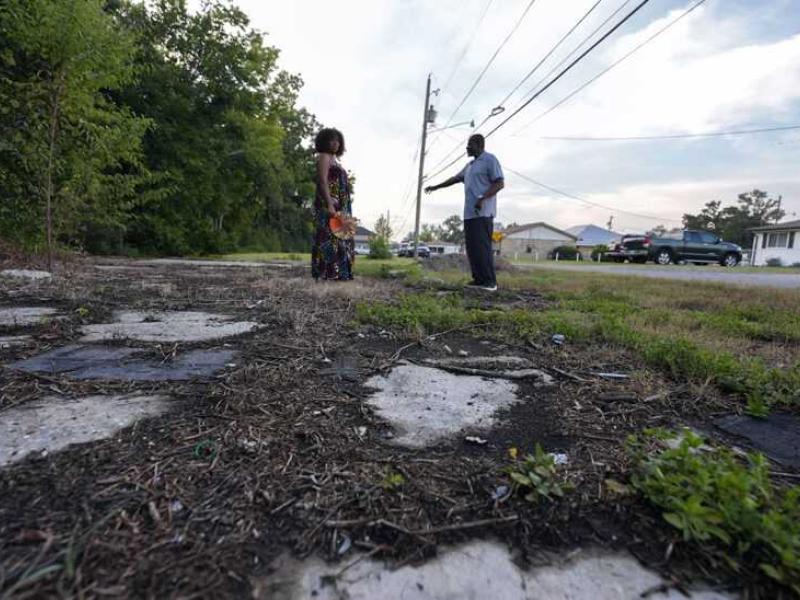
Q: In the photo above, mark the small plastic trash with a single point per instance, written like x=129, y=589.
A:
x=558, y=339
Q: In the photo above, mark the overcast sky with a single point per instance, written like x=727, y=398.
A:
x=730, y=64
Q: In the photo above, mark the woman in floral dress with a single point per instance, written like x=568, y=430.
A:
x=331, y=256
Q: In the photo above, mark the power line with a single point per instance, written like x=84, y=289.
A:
x=612, y=65
x=575, y=49
x=589, y=202
x=566, y=70
x=468, y=45
x=528, y=76
x=550, y=53
x=491, y=60
x=563, y=72
x=671, y=137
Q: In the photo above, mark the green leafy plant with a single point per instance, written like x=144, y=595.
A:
x=379, y=248
x=728, y=506
x=536, y=475
x=393, y=481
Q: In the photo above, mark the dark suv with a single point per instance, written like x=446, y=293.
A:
x=695, y=246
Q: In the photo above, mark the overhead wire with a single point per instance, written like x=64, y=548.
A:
x=524, y=79
x=676, y=136
x=612, y=65
x=478, y=79
x=563, y=72
x=590, y=202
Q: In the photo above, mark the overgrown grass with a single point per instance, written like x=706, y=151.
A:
x=690, y=331
x=730, y=508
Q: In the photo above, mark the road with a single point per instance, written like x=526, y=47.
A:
x=708, y=274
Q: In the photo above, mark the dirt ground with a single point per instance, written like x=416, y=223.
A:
x=282, y=454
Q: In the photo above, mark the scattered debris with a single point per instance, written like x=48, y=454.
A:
x=474, y=439
x=558, y=339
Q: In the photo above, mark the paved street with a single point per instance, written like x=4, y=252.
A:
x=709, y=273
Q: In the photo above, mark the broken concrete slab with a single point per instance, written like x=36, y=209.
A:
x=166, y=326
x=188, y=262
x=109, y=362
x=55, y=422
x=475, y=571
x=427, y=405
x=20, y=316
x=13, y=341
x=26, y=274
x=777, y=436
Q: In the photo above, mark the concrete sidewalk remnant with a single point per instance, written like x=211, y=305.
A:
x=166, y=326
x=426, y=405
x=26, y=274
x=475, y=571
x=20, y=316
x=117, y=363
x=777, y=436
x=56, y=422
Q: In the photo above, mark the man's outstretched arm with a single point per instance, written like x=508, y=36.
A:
x=446, y=183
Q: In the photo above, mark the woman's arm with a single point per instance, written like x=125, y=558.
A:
x=323, y=166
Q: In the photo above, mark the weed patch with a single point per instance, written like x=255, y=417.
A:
x=728, y=508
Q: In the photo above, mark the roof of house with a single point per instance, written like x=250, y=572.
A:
x=519, y=228
x=363, y=231
x=778, y=226
x=592, y=235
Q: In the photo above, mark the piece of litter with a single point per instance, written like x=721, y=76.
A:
x=448, y=349
x=558, y=339
x=474, y=439
x=361, y=431
x=612, y=375
x=463, y=353
x=559, y=459
x=501, y=491
x=344, y=546
x=175, y=506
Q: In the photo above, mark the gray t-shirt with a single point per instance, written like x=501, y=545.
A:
x=477, y=176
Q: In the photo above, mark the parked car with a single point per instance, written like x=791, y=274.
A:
x=408, y=250
x=691, y=245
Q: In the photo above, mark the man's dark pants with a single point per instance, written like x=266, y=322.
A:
x=478, y=238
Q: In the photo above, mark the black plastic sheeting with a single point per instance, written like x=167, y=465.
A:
x=111, y=362
x=777, y=436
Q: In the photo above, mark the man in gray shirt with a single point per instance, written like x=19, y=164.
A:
x=482, y=179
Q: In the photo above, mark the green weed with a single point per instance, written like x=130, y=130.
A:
x=730, y=508
x=536, y=475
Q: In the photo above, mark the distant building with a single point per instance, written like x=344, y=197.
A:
x=780, y=241
x=590, y=236
x=534, y=240
x=362, y=238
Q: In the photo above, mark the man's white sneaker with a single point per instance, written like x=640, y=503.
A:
x=488, y=288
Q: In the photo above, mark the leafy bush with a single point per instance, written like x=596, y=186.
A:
x=379, y=248
x=730, y=508
x=774, y=262
x=600, y=250
x=564, y=253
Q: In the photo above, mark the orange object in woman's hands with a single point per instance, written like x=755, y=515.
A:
x=343, y=226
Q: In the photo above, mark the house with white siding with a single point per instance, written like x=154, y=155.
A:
x=780, y=241
x=534, y=240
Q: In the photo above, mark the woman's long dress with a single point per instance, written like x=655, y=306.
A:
x=331, y=257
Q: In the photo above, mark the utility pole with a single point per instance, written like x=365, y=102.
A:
x=425, y=117
x=610, y=223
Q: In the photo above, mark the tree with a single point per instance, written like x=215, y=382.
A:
x=429, y=233
x=73, y=148
x=383, y=229
x=452, y=230
x=733, y=223
x=658, y=231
